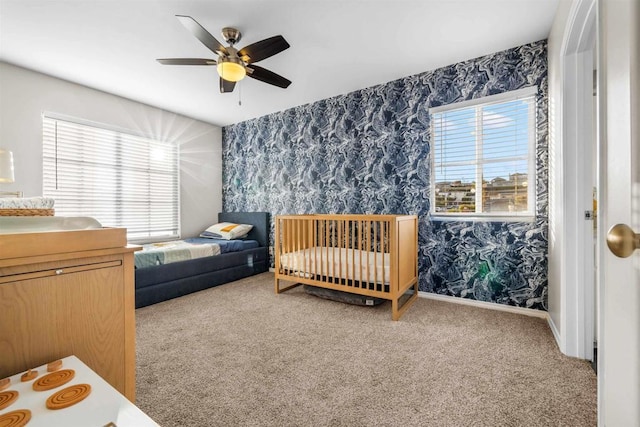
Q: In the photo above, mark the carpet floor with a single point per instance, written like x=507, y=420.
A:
x=239, y=355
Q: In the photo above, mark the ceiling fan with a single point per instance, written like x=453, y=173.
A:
x=232, y=64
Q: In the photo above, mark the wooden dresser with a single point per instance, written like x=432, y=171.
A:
x=66, y=293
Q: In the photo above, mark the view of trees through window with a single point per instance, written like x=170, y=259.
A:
x=498, y=196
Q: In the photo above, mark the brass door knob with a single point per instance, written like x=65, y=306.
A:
x=622, y=240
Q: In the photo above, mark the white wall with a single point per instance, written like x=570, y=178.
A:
x=25, y=95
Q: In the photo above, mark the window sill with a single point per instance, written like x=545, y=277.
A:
x=482, y=218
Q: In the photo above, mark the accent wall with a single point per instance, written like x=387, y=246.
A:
x=369, y=152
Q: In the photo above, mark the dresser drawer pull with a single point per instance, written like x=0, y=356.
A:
x=58, y=272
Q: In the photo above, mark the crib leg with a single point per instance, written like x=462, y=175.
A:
x=396, y=311
x=280, y=290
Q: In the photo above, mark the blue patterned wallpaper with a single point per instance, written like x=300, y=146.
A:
x=369, y=152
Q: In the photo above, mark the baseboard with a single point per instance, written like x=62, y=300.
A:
x=488, y=305
x=555, y=332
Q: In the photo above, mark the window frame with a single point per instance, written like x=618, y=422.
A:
x=119, y=134
x=479, y=103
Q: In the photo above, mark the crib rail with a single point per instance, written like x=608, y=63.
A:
x=372, y=255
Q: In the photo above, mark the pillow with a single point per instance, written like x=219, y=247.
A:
x=227, y=231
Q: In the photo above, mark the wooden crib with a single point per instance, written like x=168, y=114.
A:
x=371, y=255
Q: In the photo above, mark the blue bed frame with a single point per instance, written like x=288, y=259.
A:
x=163, y=282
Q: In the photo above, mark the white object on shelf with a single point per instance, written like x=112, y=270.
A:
x=36, y=224
x=27, y=203
x=102, y=406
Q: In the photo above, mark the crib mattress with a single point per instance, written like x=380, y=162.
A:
x=344, y=263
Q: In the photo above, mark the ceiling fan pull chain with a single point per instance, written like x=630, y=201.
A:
x=239, y=95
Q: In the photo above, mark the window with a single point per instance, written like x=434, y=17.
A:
x=122, y=180
x=483, y=156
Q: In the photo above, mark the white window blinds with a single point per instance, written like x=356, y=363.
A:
x=120, y=179
x=484, y=156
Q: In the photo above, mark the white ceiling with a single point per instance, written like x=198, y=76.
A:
x=336, y=46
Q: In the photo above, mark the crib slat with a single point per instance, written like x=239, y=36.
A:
x=304, y=246
x=316, y=236
x=327, y=246
x=282, y=244
x=322, y=251
x=291, y=243
x=319, y=268
x=344, y=251
x=309, y=247
x=320, y=230
x=320, y=234
x=325, y=265
x=375, y=253
x=332, y=231
x=277, y=248
x=359, y=253
x=300, y=246
x=363, y=272
x=338, y=246
x=285, y=240
x=368, y=248
x=296, y=244
x=353, y=253
x=332, y=245
x=309, y=227
x=330, y=253
x=307, y=250
x=360, y=226
x=383, y=238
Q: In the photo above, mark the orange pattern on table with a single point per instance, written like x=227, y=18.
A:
x=54, y=379
x=68, y=396
x=7, y=398
x=17, y=418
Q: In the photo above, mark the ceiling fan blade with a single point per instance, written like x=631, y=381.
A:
x=186, y=61
x=267, y=76
x=263, y=49
x=226, y=86
x=201, y=34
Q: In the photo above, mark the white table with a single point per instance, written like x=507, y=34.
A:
x=102, y=406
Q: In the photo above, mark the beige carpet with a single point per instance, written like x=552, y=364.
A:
x=239, y=355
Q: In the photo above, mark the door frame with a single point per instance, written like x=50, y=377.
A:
x=577, y=252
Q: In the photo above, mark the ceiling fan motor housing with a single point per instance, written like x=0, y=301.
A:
x=231, y=35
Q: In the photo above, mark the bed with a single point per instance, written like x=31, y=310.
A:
x=162, y=275
x=370, y=255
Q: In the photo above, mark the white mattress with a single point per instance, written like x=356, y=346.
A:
x=339, y=262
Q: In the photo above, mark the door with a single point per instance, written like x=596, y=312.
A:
x=619, y=121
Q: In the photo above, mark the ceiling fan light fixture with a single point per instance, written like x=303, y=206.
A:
x=231, y=69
